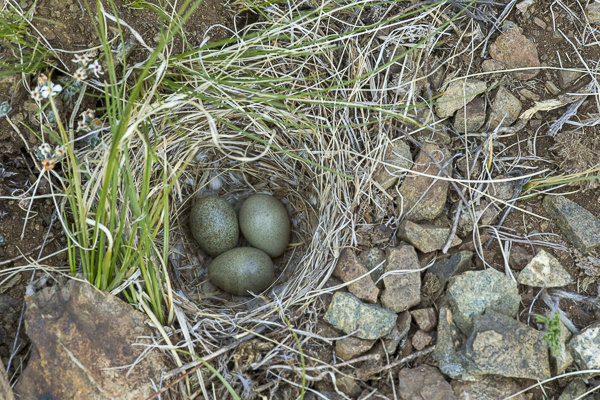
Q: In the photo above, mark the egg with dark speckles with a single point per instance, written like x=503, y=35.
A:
x=241, y=270
x=214, y=224
x=264, y=222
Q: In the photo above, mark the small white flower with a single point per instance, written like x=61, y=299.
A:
x=45, y=149
x=59, y=151
x=50, y=90
x=81, y=124
x=80, y=74
x=36, y=95
x=42, y=80
x=79, y=58
x=96, y=68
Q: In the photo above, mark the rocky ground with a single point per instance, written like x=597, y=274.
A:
x=428, y=308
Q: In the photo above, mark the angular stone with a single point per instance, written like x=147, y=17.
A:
x=501, y=345
x=82, y=338
x=475, y=116
x=348, y=313
x=566, y=77
x=426, y=238
x=447, y=353
x=399, y=156
x=528, y=94
x=399, y=332
x=350, y=347
x=348, y=269
x=485, y=214
x=415, y=186
x=593, y=12
x=574, y=390
x=544, y=270
x=585, y=347
x=458, y=93
x=425, y=318
x=580, y=227
x=6, y=392
x=455, y=265
x=402, y=289
x=564, y=358
x=476, y=292
x=492, y=65
x=423, y=383
x=519, y=257
x=374, y=261
x=348, y=386
x=503, y=190
x=516, y=51
x=505, y=109
x=421, y=339
x=489, y=388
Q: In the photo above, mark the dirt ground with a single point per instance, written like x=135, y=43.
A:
x=66, y=26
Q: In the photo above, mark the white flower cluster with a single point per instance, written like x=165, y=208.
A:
x=85, y=67
x=89, y=121
x=45, y=89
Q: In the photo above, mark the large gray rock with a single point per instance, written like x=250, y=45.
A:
x=585, y=347
x=426, y=238
x=580, y=226
x=501, y=345
x=399, y=160
x=350, y=347
x=489, y=388
x=82, y=339
x=374, y=261
x=416, y=186
x=455, y=265
x=348, y=313
x=475, y=116
x=423, y=383
x=458, y=93
x=474, y=292
x=544, y=270
x=402, y=289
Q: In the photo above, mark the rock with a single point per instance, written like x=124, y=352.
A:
x=485, y=214
x=425, y=318
x=421, y=339
x=552, y=88
x=566, y=77
x=348, y=268
x=414, y=186
x=489, y=388
x=348, y=313
x=350, y=347
x=580, y=227
x=516, y=51
x=7, y=86
x=82, y=338
x=458, y=93
x=423, y=383
x=399, y=332
x=475, y=116
x=564, y=358
x=373, y=260
x=6, y=392
x=348, y=386
x=449, y=350
x=402, y=290
x=585, y=347
x=426, y=238
x=519, y=258
x=574, y=390
x=455, y=265
x=492, y=65
x=528, y=94
x=399, y=156
x=593, y=12
x=539, y=22
x=476, y=292
x=505, y=109
x=503, y=190
x=501, y=345
x=544, y=270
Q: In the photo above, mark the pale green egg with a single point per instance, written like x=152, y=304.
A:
x=214, y=224
x=241, y=270
x=264, y=222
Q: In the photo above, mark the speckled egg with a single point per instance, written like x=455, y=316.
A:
x=264, y=222
x=239, y=270
x=214, y=224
